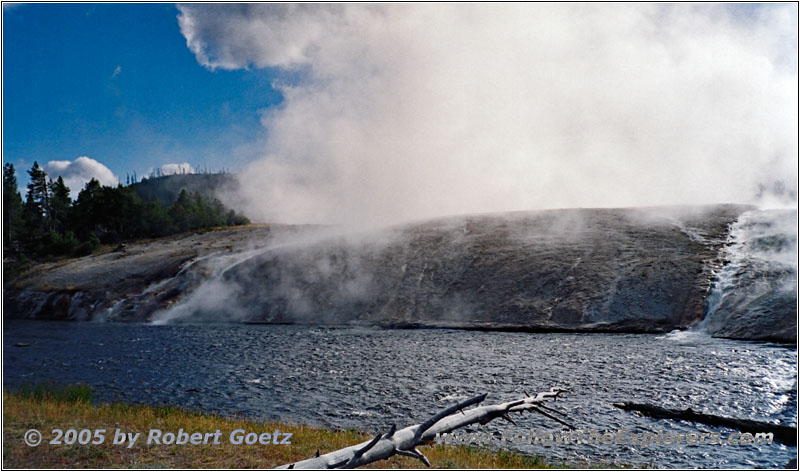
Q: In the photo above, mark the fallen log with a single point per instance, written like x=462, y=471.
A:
x=784, y=434
x=405, y=441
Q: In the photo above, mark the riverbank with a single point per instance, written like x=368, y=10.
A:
x=71, y=408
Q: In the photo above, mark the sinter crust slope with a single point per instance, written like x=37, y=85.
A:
x=90, y=287
x=574, y=270
x=594, y=270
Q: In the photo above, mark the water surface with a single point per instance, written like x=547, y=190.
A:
x=370, y=378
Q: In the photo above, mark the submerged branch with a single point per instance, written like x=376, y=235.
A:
x=784, y=434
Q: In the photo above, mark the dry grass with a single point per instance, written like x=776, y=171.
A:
x=42, y=411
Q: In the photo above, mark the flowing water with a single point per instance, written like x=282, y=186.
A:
x=762, y=244
x=371, y=378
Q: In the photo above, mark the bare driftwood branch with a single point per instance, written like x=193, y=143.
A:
x=405, y=441
x=785, y=434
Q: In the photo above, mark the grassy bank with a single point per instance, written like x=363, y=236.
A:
x=47, y=408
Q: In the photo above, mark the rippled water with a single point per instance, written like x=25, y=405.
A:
x=369, y=378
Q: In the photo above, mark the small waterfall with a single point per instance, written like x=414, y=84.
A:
x=724, y=279
x=760, y=258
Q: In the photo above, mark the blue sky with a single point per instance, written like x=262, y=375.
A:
x=117, y=83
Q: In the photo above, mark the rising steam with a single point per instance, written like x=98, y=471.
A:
x=395, y=112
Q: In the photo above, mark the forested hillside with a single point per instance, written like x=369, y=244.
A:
x=166, y=189
x=50, y=223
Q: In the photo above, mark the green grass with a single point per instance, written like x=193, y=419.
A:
x=56, y=392
x=49, y=406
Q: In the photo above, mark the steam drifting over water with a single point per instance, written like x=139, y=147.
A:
x=397, y=112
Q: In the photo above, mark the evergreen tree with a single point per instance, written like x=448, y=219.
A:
x=34, y=212
x=12, y=207
x=59, y=205
x=85, y=214
x=38, y=197
x=181, y=212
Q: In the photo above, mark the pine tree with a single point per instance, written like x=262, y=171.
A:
x=86, y=211
x=37, y=201
x=181, y=212
x=12, y=207
x=59, y=205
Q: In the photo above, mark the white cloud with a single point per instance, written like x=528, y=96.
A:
x=414, y=110
x=76, y=173
x=117, y=71
x=173, y=168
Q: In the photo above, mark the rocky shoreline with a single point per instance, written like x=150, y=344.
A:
x=646, y=270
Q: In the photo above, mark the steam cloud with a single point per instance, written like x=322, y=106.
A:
x=397, y=112
x=76, y=173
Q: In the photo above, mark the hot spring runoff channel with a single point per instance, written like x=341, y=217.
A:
x=370, y=378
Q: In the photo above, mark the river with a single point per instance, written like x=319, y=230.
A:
x=369, y=378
